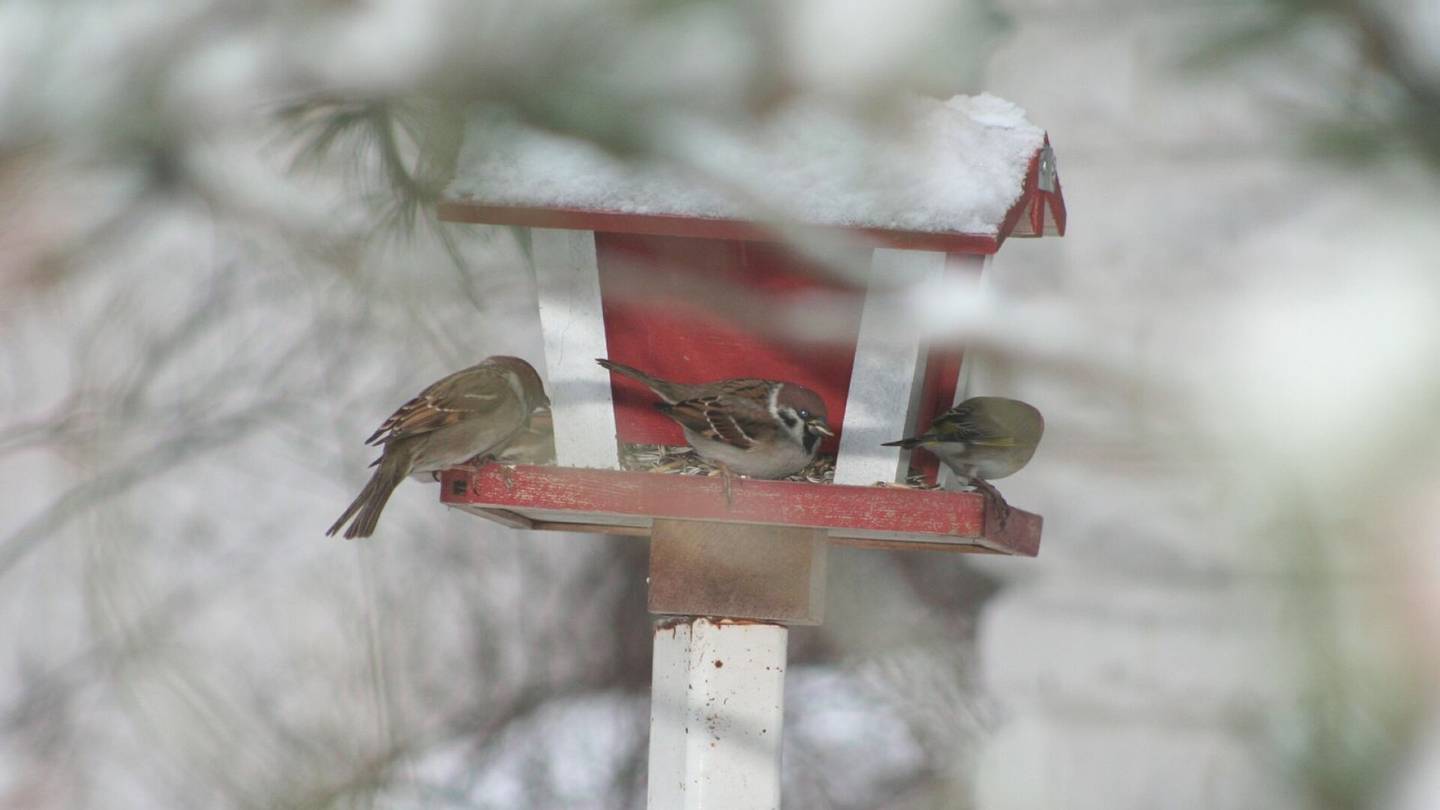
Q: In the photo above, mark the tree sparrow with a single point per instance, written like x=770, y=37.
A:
x=472, y=412
x=760, y=428
x=982, y=439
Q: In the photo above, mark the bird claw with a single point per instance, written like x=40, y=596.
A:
x=994, y=502
x=479, y=461
x=726, y=477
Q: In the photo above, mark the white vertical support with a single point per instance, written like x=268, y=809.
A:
x=972, y=364
x=971, y=359
x=888, y=368
x=567, y=281
x=716, y=708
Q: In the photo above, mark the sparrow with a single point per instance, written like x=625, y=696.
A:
x=473, y=412
x=533, y=445
x=983, y=439
x=759, y=428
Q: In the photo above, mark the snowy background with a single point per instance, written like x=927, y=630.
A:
x=218, y=273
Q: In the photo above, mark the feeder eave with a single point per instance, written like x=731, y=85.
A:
x=1038, y=210
x=958, y=175
x=697, y=227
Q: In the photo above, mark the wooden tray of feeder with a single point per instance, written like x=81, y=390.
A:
x=666, y=483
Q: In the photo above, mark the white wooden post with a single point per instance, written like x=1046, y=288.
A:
x=717, y=696
x=886, y=378
x=567, y=282
x=716, y=710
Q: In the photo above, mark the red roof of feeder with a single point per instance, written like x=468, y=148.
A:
x=960, y=176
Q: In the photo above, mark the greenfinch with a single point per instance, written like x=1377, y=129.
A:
x=983, y=439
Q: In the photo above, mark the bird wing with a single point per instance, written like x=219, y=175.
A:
x=471, y=392
x=965, y=423
x=737, y=416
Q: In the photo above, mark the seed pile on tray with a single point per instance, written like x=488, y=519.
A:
x=681, y=460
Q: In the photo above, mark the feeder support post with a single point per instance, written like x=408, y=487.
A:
x=972, y=366
x=572, y=320
x=717, y=700
x=885, y=382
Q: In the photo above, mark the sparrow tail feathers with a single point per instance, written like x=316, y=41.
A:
x=628, y=371
x=659, y=386
x=372, y=499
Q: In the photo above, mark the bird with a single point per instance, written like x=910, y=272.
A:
x=533, y=445
x=759, y=428
x=473, y=412
x=983, y=439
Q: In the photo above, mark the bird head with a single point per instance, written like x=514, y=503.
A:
x=524, y=379
x=801, y=413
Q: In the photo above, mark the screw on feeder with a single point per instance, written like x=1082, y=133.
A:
x=1045, y=181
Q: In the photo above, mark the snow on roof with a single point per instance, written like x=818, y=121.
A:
x=955, y=166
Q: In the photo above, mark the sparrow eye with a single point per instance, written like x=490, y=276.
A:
x=803, y=414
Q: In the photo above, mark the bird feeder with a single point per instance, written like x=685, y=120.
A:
x=675, y=274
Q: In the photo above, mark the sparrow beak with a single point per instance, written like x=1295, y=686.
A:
x=819, y=426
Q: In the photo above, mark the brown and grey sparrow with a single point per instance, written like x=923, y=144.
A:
x=473, y=412
x=760, y=428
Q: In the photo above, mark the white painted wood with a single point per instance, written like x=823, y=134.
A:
x=716, y=709
x=889, y=369
x=972, y=365
x=567, y=281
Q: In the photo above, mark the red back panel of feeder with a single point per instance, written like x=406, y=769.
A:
x=698, y=310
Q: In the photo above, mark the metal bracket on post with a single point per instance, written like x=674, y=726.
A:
x=717, y=691
x=764, y=573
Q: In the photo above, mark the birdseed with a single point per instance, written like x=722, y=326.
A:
x=682, y=460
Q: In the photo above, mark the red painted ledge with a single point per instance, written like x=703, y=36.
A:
x=614, y=502
x=1034, y=213
x=736, y=230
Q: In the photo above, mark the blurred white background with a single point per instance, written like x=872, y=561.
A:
x=219, y=271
